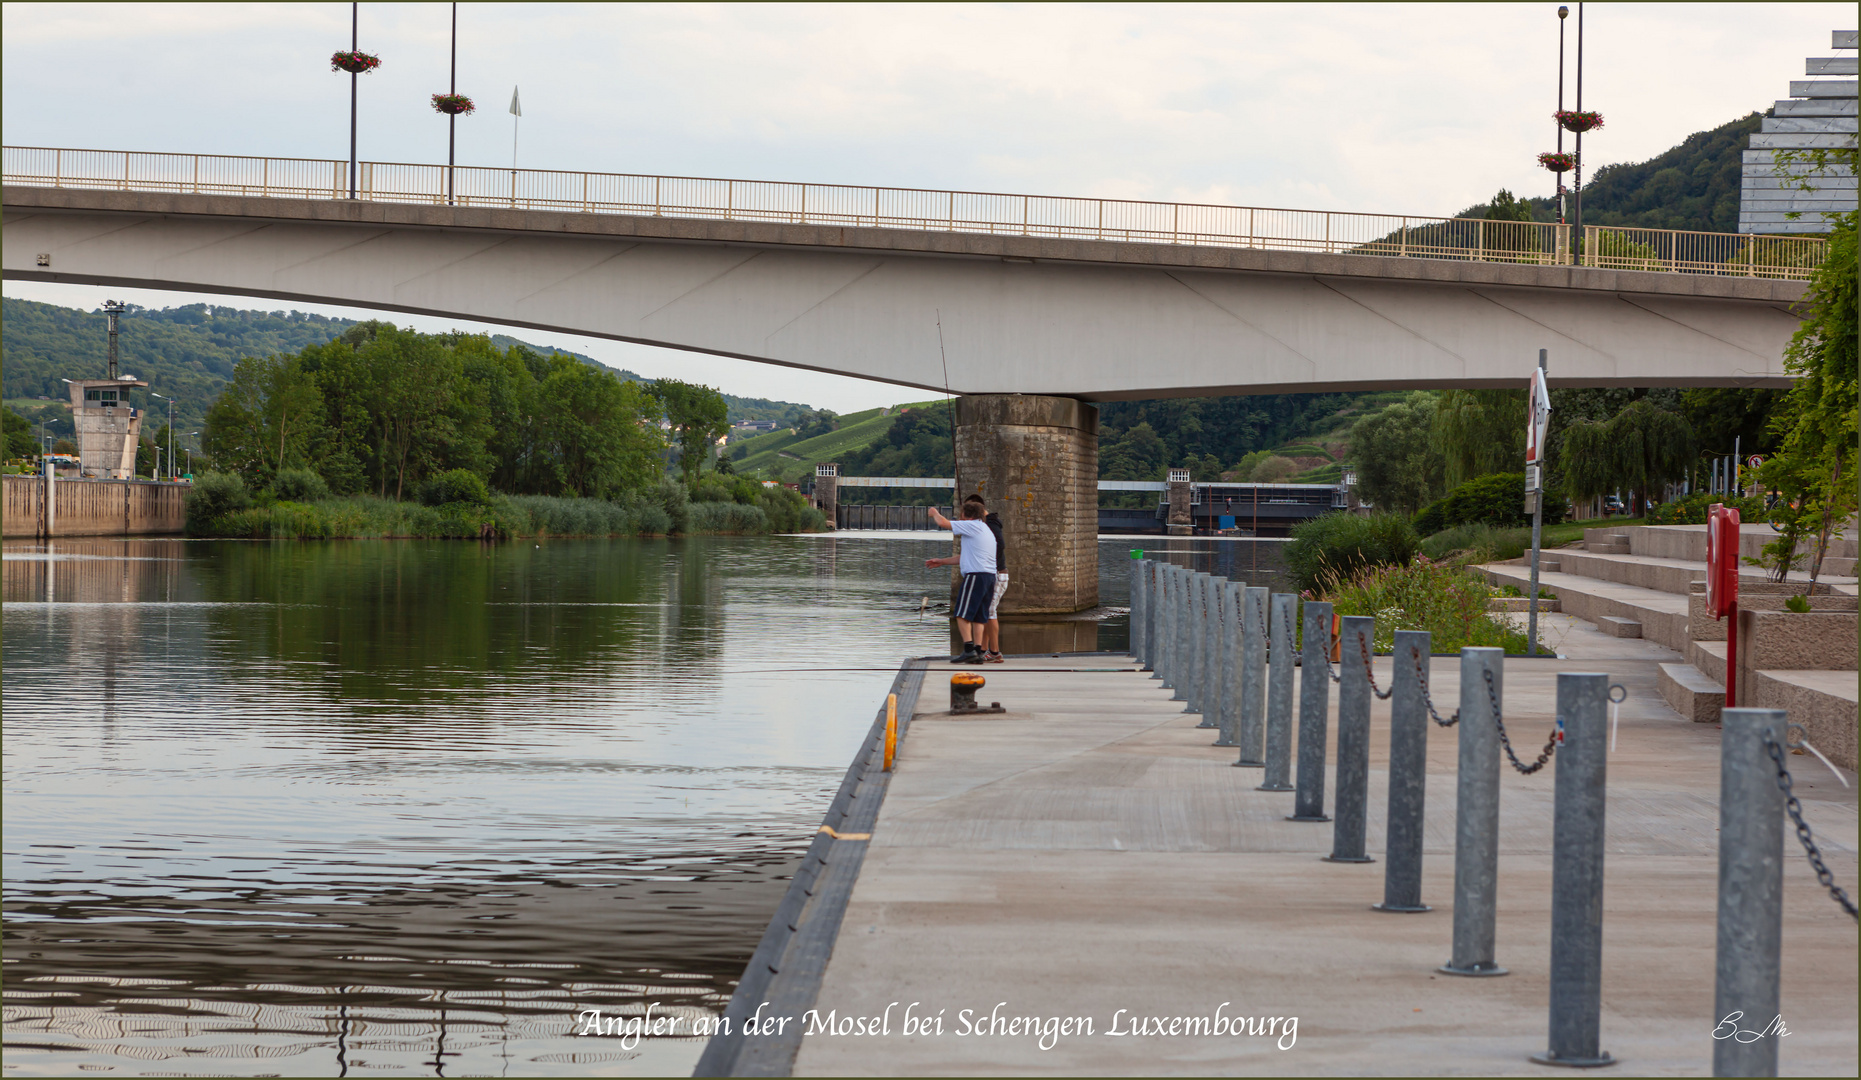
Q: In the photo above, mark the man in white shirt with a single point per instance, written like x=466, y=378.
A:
x=977, y=592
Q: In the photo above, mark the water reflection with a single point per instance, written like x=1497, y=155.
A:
x=407, y=806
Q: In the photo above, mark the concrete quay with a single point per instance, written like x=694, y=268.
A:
x=1090, y=851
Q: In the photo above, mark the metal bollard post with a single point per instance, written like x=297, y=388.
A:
x=1173, y=678
x=1577, y=873
x=1250, y=695
x=1314, y=712
x=1204, y=654
x=1408, y=775
x=1148, y=577
x=1751, y=810
x=1134, y=621
x=1229, y=672
x=1476, y=808
x=1347, y=835
x=1197, y=647
x=1279, y=695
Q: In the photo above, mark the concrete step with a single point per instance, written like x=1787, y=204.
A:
x=1691, y=694
x=1522, y=603
x=1823, y=702
x=1688, y=542
x=1642, y=571
x=1616, y=626
x=1662, y=615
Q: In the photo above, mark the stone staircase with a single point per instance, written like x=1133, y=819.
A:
x=1649, y=582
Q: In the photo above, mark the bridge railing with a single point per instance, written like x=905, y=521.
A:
x=1117, y=220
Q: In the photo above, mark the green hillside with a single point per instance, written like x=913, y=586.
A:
x=781, y=455
x=189, y=353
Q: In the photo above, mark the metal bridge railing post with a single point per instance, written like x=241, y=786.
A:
x=1577, y=872
x=1153, y=603
x=1228, y=670
x=1314, y=710
x=1177, y=616
x=1347, y=835
x=1408, y=774
x=1279, y=694
x=1476, y=825
x=1250, y=694
x=1751, y=813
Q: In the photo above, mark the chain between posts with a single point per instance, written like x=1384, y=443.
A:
x=1795, y=809
x=1422, y=677
x=1363, y=644
x=1550, y=745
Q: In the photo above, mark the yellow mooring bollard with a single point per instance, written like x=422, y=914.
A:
x=891, y=729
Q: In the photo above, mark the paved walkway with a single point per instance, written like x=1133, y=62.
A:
x=1090, y=851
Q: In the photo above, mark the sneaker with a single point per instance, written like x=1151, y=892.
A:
x=993, y=658
x=969, y=655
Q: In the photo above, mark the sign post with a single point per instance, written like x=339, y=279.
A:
x=1538, y=404
x=1722, y=586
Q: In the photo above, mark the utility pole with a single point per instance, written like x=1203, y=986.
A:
x=1578, y=231
x=355, y=77
x=452, y=88
x=1563, y=13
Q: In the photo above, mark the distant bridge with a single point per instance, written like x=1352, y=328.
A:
x=1255, y=509
x=973, y=292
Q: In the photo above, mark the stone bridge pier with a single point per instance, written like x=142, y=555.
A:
x=1035, y=461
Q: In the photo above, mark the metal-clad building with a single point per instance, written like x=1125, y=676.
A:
x=1820, y=113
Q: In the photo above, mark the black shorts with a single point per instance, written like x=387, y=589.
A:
x=974, y=596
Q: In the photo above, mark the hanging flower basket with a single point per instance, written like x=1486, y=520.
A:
x=355, y=63
x=1558, y=163
x=453, y=104
x=1579, y=121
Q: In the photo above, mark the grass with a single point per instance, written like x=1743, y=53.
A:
x=1447, y=601
x=857, y=431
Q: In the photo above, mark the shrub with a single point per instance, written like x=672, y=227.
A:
x=731, y=518
x=455, y=486
x=1335, y=547
x=299, y=485
x=673, y=500
x=1478, y=543
x=1692, y=509
x=1448, y=602
x=1494, y=499
x=215, y=495
x=788, y=511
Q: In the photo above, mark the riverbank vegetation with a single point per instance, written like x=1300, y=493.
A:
x=389, y=432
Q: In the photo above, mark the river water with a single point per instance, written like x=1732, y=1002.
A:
x=408, y=807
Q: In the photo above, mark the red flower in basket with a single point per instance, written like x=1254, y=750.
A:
x=453, y=104
x=355, y=63
x=1579, y=121
x=1558, y=163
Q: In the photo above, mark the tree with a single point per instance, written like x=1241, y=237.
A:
x=1399, y=467
x=1479, y=432
x=21, y=440
x=597, y=432
x=699, y=417
x=1639, y=449
x=1814, y=468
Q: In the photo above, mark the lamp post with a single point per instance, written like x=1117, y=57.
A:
x=170, y=402
x=1579, y=188
x=452, y=87
x=355, y=78
x=1563, y=13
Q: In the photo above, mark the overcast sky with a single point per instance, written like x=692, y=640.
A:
x=1398, y=108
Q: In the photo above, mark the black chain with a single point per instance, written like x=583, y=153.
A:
x=1421, y=676
x=1795, y=810
x=1363, y=644
x=1550, y=745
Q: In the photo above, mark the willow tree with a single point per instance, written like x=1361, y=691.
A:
x=1480, y=432
x=1639, y=449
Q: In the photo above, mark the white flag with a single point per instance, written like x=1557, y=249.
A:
x=516, y=108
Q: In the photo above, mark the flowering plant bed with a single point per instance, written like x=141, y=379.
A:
x=355, y=63
x=1558, y=163
x=1579, y=121
x=453, y=104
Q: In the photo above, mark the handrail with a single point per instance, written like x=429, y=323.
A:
x=925, y=210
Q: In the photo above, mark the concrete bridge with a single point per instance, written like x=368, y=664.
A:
x=1257, y=509
x=1030, y=307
